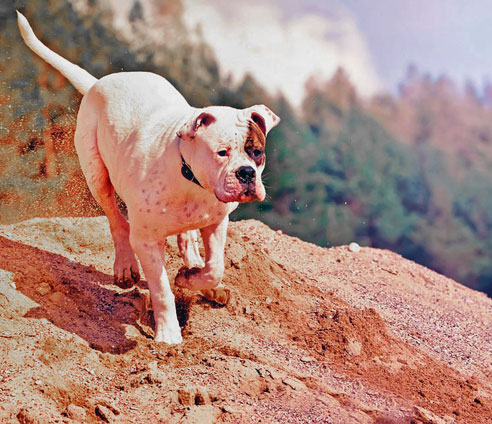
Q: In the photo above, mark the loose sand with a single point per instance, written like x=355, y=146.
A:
x=311, y=335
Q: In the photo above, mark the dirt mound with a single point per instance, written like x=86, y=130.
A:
x=311, y=335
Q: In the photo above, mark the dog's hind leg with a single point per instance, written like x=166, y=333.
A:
x=126, y=272
x=188, y=249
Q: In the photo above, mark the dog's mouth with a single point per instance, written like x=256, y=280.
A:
x=248, y=196
x=243, y=194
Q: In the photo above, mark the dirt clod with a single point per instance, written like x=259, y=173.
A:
x=76, y=413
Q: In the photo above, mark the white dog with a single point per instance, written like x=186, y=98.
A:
x=177, y=168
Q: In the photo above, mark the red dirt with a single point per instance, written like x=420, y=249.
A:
x=311, y=335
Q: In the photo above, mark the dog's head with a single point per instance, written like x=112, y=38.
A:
x=227, y=149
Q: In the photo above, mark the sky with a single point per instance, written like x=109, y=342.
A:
x=452, y=37
x=284, y=42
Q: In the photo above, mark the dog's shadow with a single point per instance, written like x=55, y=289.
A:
x=78, y=298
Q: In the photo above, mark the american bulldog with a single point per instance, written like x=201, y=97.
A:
x=177, y=168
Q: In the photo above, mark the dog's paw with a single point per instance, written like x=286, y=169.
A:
x=126, y=273
x=168, y=333
x=221, y=295
x=184, y=278
x=126, y=278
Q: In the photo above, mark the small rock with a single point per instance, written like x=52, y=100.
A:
x=25, y=416
x=185, y=397
x=104, y=413
x=202, y=414
x=280, y=232
x=12, y=284
x=231, y=410
x=354, y=347
x=76, y=413
x=56, y=298
x=307, y=359
x=43, y=288
x=262, y=372
x=247, y=309
x=38, y=382
x=354, y=247
x=428, y=417
x=276, y=375
x=294, y=383
x=194, y=396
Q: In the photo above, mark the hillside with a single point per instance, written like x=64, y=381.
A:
x=311, y=335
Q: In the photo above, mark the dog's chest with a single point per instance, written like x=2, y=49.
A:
x=163, y=211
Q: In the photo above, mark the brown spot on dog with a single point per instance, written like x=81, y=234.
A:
x=255, y=143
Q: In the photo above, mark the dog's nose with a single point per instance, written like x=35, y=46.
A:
x=245, y=174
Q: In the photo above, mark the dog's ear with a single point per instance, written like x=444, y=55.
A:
x=188, y=131
x=263, y=117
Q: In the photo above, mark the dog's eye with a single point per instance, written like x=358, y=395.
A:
x=222, y=153
x=257, y=153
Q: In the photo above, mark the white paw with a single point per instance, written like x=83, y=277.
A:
x=168, y=333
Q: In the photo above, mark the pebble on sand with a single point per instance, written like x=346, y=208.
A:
x=354, y=247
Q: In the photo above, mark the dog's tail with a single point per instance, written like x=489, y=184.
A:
x=80, y=78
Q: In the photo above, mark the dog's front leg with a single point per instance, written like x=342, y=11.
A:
x=188, y=249
x=151, y=256
x=209, y=278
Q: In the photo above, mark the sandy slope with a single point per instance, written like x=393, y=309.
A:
x=311, y=335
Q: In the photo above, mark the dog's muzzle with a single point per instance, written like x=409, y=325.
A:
x=246, y=175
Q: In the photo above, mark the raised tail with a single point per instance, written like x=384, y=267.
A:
x=80, y=78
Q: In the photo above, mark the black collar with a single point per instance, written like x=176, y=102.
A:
x=188, y=173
